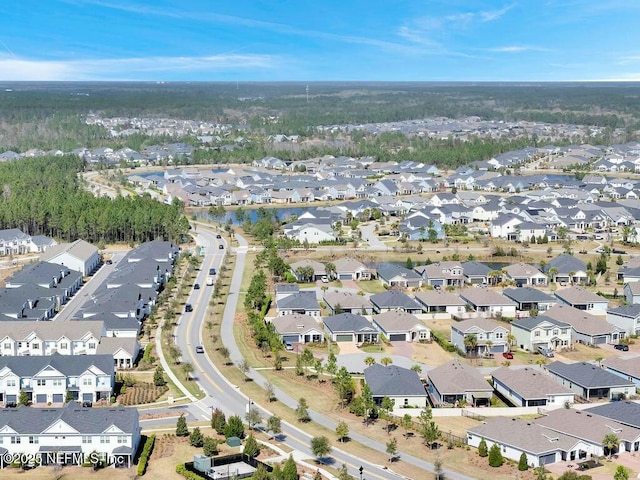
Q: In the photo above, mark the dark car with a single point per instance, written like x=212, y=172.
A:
x=188, y=308
x=218, y=236
x=621, y=346
x=221, y=247
x=109, y=262
x=212, y=271
x=196, y=286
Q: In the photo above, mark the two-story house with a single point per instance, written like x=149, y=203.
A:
x=490, y=336
x=533, y=332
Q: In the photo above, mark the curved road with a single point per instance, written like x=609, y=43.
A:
x=227, y=397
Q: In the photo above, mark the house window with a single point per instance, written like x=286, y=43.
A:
x=11, y=382
x=86, y=439
x=57, y=382
x=34, y=440
x=15, y=439
x=589, y=306
x=536, y=333
x=122, y=439
x=87, y=381
x=92, y=346
x=499, y=335
x=41, y=382
x=7, y=346
x=64, y=346
x=565, y=331
x=104, y=439
x=555, y=332
x=406, y=402
x=36, y=346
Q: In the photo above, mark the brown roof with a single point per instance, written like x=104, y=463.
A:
x=529, y=383
x=454, y=377
x=79, y=249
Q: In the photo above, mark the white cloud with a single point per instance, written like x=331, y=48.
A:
x=490, y=16
x=16, y=69
x=518, y=49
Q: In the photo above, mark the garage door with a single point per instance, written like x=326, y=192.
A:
x=12, y=398
x=58, y=398
x=547, y=459
x=344, y=338
x=87, y=397
x=600, y=340
x=397, y=337
x=437, y=283
x=290, y=339
x=345, y=276
x=41, y=398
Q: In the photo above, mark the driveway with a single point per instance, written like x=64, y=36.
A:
x=354, y=362
x=403, y=349
x=370, y=236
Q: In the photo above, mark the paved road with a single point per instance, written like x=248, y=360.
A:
x=370, y=236
x=228, y=397
x=88, y=289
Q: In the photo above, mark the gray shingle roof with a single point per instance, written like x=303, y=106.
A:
x=566, y=263
x=394, y=299
x=393, y=381
x=587, y=375
x=631, y=311
x=455, y=378
x=528, y=383
x=348, y=322
x=68, y=365
x=530, y=323
x=94, y=421
x=624, y=412
x=305, y=300
x=527, y=294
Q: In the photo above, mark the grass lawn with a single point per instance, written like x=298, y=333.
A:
x=371, y=286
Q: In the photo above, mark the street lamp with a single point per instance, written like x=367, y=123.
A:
x=361, y=469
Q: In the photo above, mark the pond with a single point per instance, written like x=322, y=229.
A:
x=252, y=214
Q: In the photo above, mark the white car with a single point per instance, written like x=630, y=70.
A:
x=547, y=352
x=325, y=279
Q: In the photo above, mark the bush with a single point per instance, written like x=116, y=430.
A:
x=522, y=463
x=495, y=456
x=182, y=470
x=482, y=448
x=209, y=446
x=146, y=453
x=251, y=448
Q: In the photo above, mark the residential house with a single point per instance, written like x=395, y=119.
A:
x=441, y=274
x=541, y=445
x=312, y=233
x=488, y=303
x=124, y=350
x=505, y=226
x=14, y=241
x=625, y=412
x=70, y=434
x=490, y=336
x=590, y=381
x=530, y=299
x=533, y=332
x=583, y=299
x=476, y=273
x=319, y=270
x=626, y=317
x=529, y=387
x=346, y=302
x=350, y=269
x=565, y=269
x=24, y=338
x=52, y=379
x=456, y=384
x=303, y=303
x=627, y=368
x=434, y=301
x=524, y=274
x=401, y=385
x=298, y=328
x=392, y=275
x=394, y=301
x=632, y=293
x=401, y=326
x=80, y=256
x=587, y=329
x=348, y=327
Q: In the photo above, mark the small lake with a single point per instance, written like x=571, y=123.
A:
x=161, y=172
x=252, y=214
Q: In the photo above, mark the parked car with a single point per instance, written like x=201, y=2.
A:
x=507, y=355
x=325, y=279
x=547, y=352
x=199, y=349
x=109, y=262
x=622, y=346
x=188, y=307
x=288, y=346
x=196, y=286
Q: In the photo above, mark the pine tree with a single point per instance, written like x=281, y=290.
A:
x=196, y=439
x=234, y=427
x=218, y=421
x=522, y=463
x=290, y=469
x=482, y=448
x=210, y=446
x=261, y=473
x=158, y=377
x=23, y=399
x=251, y=448
x=182, y=430
x=495, y=456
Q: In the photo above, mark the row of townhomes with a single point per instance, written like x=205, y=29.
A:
x=65, y=366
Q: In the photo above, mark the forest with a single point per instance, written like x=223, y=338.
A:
x=44, y=196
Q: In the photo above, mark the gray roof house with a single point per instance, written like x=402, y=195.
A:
x=454, y=384
x=399, y=384
x=625, y=412
x=587, y=328
x=298, y=328
x=304, y=303
x=567, y=269
x=347, y=302
x=529, y=298
x=350, y=269
x=476, y=273
x=541, y=331
x=490, y=336
x=397, y=276
x=529, y=387
x=627, y=368
x=347, y=327
x=488, y=303
x=441, y=302
x=124, y=350
x=525, y=274
x=582, y=299
x=319, y=269
x=401, y=326
x=394, y=300
x=73, y=431
x=626, y=317
x=590, y=381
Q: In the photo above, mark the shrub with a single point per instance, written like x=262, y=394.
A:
x=251, y=448
x=182, y=470
x=209, y=446
x=182, y=430
x=495, y=456
x=482, y=448
x=146, y=453
x=522, y=463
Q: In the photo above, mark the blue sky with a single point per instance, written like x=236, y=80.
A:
x=299, y=40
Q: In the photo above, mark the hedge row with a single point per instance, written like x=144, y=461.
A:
x=182, y=470
x=146, y=453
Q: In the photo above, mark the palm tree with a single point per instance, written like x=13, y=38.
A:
x=553, y=271
x=330, y=270
x=487, y=346
x=369, y=361
x=571, y=277
x=610, y=442
x=386, y=361
x=470, y=343
x=511, y=338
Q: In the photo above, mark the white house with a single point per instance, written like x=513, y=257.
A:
x=80, y=256
x=529, y=387
x=590, y=381
x=542, y=331
x=626, y=317
x=490, y=336
x=49, y=379
x=68, y=435
x=24, y=338
x=399, y=384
